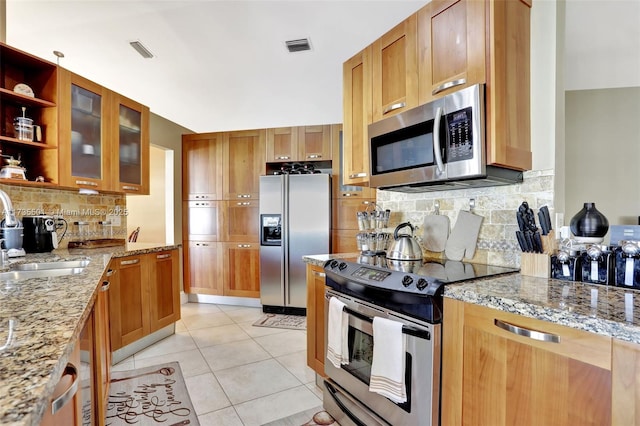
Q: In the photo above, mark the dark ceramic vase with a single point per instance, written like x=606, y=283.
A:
x=589, y=222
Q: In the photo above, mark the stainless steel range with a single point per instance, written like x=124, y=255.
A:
x=409, y=292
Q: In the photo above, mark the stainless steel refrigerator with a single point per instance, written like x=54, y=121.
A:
x=295, y=220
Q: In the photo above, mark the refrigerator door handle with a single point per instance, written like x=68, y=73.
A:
x=285, y=240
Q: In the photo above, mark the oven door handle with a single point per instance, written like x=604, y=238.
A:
x=406, y=329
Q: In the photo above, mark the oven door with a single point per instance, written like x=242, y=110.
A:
x=347, y=395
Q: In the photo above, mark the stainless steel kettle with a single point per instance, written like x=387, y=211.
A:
x=404, y=246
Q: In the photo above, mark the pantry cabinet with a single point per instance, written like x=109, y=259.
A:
x=503, y=369
x=241, y=221
x=28, y=88
x=144, y=295
x=242, y=269
x=203, y=267
x=451, y=46
x=202, y=220
x=315, y=318
x=357, y=112
x=394, y=67
x=202, y=166
x=243, y=157
x=104, y=137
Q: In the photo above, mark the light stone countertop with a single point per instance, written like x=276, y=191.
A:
x=567, y=303
x=47, y=315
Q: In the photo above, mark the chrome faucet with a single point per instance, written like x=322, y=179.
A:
x=9, y=214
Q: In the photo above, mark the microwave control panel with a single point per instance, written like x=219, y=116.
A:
x=460, y=137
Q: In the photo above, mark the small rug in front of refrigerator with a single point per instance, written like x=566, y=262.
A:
x=293, y=322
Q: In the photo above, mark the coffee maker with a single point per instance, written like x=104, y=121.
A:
x=40, y=233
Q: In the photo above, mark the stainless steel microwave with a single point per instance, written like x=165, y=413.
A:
x=435, y=146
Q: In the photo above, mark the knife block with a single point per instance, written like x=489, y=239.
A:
x=549, y=243
x=535, y=265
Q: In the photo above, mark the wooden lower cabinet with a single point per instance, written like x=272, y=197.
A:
x=203, y=264
x=242, y=269
x=492, y=376
x=315, y=318
x=142, y=297
x=626, y=383
x=102, y=347
x=70, y=413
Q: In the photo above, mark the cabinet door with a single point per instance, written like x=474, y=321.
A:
x=128, y=301
x=509, y=378
x=241, y=221
x=84, y=132
x=164, y=288
x=626, y=383
x=357, y=110
x=203, y=267
x=282, y=145
x=315, y=318
x=345, y=212
x=243, y=157
x=314, y=143
x=451, y=45
x=131, y=146
x=339, y=188
x=69, y=414
x=102, y=346
x=242, y=270
x=202, y=166
x=344, y=241
x=395, y=70
x=202, y=220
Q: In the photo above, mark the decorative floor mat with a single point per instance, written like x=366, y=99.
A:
x=294, y=322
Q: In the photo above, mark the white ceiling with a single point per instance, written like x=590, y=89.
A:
x=222, y=65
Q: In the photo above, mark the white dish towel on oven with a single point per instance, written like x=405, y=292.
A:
x=337, y=333
x=387, y=369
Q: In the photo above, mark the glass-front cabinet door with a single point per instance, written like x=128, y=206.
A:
x=132, y=151
x=84, y=132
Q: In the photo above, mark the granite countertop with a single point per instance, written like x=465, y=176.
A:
x=615, y=313
x=39, y=321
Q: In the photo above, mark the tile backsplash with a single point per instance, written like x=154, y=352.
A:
x=72, y=207
x=497, y=205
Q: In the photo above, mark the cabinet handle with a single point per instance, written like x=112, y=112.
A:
x=202, y=197
x=163, y=256
x=244, y=203
x=358, y=175
x=319, y=274
x=130, y=262
x=109, y=272
x=86, y=182
x=130, y=188
x=244, y=245
x=283, y=157
x=448, y=85
x=244, y=195
x=105, y=286
x=314, y=156
x=393, y=107
x=525, y=332
x=202, y=245
x=350, y=194
x=62, y=400
x=203, y=204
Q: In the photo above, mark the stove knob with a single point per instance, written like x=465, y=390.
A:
x=333, y=264
x=407, y=281
x=422, y=284
x=342, y=266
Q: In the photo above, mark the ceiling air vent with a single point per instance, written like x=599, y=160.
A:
x=143, y=51
x=299, y=45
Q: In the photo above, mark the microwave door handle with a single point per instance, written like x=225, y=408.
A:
x=437, y=150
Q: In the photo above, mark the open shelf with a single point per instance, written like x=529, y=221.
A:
x=38, y=145
x=20, y=99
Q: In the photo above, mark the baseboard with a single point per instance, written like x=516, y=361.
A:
x=224, y=300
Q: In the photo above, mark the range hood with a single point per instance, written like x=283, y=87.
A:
x=493, y=176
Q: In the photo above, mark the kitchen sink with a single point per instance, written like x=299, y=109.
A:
x=48, y=266
x=17, y=275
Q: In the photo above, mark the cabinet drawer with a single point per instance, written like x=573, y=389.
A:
x=581, y=345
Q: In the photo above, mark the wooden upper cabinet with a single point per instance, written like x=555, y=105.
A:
x=130, y=173
x=244, y=159
x=508, y=85
x=357, y=110
x=451, y=46
x=395, y=70
x=314, y=143
x=84, y=132
x=202, y=166
x=339, y=188
x=282, y=144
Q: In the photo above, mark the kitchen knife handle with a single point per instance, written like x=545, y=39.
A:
x=543, y=222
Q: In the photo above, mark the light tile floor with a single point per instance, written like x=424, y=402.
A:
x=236, y=374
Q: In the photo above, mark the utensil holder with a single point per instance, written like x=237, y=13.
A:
x=535, y=265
